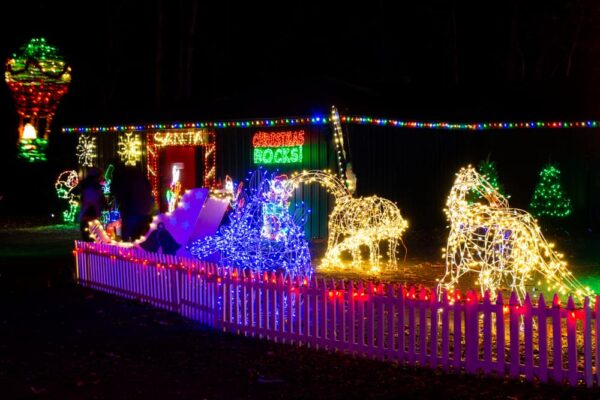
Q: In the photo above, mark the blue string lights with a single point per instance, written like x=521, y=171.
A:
x=262, y=234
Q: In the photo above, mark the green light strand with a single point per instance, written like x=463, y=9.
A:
x=549, y=198
x=33, y=150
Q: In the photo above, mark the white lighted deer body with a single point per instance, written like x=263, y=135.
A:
x=503, y=245
x=357, y=222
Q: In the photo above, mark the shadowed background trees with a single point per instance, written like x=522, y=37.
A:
x=186, y=60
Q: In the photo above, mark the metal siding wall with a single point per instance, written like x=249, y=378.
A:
x=416, y=167
x=234, y=157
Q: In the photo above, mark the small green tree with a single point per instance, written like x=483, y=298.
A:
x=487, y=169
x=549, y=198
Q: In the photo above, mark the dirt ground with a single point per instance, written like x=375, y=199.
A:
x=60, y=341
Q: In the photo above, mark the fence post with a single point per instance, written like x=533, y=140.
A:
x=218, y=297
x=572, y=341
x=422, y=303
x=487, y=332
x=528, y=336
x=556, y=339
x=542, y=339
x=597, y=340
x=500, y=336
x=175, y=296
x=390, y=323
x=445, y=330
x=412, y=329
x=457, y=308
x=587, y=343
x=471, y=333
x=515, y=311
x=433, y=341
x=401, y=324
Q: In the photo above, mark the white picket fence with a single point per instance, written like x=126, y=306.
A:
x=386, y=322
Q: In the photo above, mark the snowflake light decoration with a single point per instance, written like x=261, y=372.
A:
x=86, y=150
x=262, y=235
x=130, y=148
x=504, y=245
x=355, y=223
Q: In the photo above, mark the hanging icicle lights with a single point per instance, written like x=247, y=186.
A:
x=262, y=235
x=346, y=119
x=356, y=222
x=505, y=246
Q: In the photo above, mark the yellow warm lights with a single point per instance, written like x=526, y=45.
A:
x=504, y=245
x=86, y=150
x=355, y=223
x=29, y=132
x=130, y=148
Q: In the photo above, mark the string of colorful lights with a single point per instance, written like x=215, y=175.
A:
x=347, y=119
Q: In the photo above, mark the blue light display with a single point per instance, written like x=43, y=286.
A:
x=262, y=235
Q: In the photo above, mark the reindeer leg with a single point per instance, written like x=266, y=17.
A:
x=393, y=245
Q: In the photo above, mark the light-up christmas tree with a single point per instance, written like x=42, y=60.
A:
x=487, y=169
x=549, y=198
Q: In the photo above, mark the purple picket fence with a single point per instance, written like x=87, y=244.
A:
x=385, y=322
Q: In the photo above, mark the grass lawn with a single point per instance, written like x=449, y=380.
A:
x=61, y=341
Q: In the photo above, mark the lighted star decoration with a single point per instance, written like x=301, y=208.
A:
x=503, y=245
x=357, y=222
x=130, y=148
x=262, y=235
x=65, y=184
x=86, y=151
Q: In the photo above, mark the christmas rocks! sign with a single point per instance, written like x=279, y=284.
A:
x=278, y=147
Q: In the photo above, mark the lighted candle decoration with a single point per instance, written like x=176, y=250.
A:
x=355, y=223
x=262, y=235
x=503, y=245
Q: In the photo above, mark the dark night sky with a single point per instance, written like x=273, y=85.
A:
x=254, y=60
x=179, y=60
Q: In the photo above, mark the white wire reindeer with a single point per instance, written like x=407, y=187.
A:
x=356, y=222
x=504, y=245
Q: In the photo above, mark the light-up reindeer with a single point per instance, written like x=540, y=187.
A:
x=356, y=222
x=504, y=245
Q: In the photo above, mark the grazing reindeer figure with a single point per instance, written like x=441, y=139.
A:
x=356, y=222
x=504, y=245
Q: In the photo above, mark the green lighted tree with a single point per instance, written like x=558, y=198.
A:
x=549, y=198
x=487, y=169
